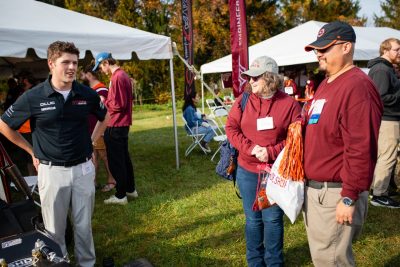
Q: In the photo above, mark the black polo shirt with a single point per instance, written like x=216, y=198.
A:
x=60, y=129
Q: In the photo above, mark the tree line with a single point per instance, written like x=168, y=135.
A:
x=265, y=18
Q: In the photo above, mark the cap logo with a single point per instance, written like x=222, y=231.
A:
x=255, y=65
x=321, y=32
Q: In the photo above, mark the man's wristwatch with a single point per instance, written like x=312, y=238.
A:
x=347, y=201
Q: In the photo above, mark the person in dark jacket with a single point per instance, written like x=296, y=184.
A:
x=385, y=79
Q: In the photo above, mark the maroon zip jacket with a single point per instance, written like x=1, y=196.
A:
x=342, y=145
x=242, y=130
x=119, y=100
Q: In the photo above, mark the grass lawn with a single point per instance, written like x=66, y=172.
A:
x=191, y=217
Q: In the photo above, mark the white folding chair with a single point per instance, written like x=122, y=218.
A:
x=211, y=105
x=219, y=114
x=219, y=137
x=196, y=138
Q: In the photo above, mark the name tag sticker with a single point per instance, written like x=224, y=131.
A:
x=316, y=110
x=289, y=90
x=87, y=167
x=266, y=123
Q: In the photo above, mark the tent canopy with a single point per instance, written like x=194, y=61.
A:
x=31, y=24
x=27, y=25
x=287, y=48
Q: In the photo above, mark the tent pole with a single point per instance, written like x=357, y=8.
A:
x=171, y=69
x=202, y=94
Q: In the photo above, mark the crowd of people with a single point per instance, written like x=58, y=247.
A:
x=65, y=128
x=343, y=154
x=68, y=121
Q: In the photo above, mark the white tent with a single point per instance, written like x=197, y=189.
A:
x=28, y=24
x=287, y=48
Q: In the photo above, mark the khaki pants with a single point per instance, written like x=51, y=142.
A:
x=387, y=156
x=61, y=188
x=330, y=242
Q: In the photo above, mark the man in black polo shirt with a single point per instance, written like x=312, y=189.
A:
x=58, y=110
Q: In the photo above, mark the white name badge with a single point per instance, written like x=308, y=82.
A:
x=266, y=123
x=289, y=90
x=87, y=167
x=316, y=110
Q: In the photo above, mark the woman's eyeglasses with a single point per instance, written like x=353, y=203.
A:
x=255, y=78
x=324, y=50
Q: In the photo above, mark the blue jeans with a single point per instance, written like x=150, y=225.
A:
x=208, y=131
x=264, y=229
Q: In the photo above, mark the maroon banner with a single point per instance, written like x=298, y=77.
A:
x=187, y=33
x=239, y=46
x=226, y=79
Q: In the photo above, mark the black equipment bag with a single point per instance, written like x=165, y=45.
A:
x=16, y=218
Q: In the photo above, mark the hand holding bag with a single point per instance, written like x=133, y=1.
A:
x=262, y=201
x=285, y=185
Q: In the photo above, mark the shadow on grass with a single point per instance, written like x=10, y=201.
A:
x=298, y=255
x=393, y=262
x=161, y=249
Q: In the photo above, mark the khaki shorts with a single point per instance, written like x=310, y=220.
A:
x=100, y=144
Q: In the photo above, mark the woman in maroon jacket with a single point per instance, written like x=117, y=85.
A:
x=259, y=135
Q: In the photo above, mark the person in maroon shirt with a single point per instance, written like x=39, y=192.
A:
x=99, y=148
x=340, y=149
x=259, y=134
x=119, y=106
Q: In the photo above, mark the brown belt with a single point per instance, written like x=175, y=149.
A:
x=320, y=185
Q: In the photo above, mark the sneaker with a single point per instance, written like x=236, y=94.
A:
x=205, y=146
x=115, y=200
x=384, y=201
x=133, y=194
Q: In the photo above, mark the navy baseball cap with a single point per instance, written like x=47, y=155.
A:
x=331, y=33
x=99, y=58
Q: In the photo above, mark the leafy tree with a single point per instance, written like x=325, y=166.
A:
x=391, y=17
x=296, y=12
x=151, y=76
x=265, y=18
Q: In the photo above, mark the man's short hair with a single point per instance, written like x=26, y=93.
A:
x=387, y=45
x=25, y=74
x=56, y=49
x=89, y=69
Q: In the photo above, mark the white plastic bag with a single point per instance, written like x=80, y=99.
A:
x=288, y=194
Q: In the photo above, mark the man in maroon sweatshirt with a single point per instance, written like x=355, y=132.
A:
x=119, y=106
x=340, y=149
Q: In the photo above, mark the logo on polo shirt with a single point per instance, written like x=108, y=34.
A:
x=49, y=105
x=10, y=111
x=79, y=102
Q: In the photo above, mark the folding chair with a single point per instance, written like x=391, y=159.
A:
x=211, y=105
x=219, y=114
x=196, y=138
x=220, y=135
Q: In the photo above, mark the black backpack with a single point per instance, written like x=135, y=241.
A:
x=227, y=164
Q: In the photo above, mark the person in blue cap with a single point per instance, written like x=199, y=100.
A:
x=119, y=107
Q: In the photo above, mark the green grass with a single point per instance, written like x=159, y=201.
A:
x=191, y=217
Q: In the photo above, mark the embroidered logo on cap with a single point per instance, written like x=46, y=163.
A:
x=321, y=32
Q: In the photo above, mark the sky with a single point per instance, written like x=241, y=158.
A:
x=368, y=8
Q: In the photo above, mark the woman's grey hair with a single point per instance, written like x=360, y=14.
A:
x=273, y=82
